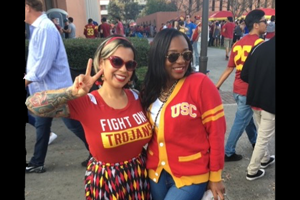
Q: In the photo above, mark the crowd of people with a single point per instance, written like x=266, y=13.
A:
x=166, y=141
x=142, y=31
x=221, y=33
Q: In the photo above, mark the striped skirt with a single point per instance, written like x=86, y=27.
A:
x=118, y=181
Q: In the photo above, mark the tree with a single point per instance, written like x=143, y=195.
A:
x=125, y=1
x=266, y=3
x=114, y=10
x=258, y=5
x=238, y=7
x=131, y=11
x=250, y=4
x=190, y=8
x=221, y=5
x=153, y=6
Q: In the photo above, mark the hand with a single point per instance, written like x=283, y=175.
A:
x=84, y=82
x=218, y=189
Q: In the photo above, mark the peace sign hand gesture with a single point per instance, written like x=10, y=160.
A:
x=84, y=82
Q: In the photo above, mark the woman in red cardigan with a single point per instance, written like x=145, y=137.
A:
x=185, y=156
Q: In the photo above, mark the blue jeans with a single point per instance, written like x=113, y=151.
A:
x=43, y=128
x=243, y=121
x=165, y=189
x=31, y=119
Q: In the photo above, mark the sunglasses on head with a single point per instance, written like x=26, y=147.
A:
x=187, y=56
x=118, y=62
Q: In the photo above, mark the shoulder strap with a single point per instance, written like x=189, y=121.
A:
x=135, y=93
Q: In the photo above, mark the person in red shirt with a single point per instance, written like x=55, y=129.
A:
x=228, y=32
x=90, y=30
x=116, y=128
x=119, y=27
x=257, y=24
x=186, y=152
x=105, y=28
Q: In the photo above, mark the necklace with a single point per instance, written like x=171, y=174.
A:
x=165, y=98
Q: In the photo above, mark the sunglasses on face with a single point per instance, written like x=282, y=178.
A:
x=118, y=62
x=264, y=21
x=173, y=57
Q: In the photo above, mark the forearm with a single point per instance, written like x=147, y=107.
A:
x=50, y=103
x=221, y=80
x=224, y=76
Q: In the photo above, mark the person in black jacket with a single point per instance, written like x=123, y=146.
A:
x=259, y=72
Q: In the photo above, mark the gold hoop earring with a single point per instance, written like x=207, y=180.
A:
x=102, y=77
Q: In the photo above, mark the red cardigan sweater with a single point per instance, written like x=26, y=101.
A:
x=189, y=142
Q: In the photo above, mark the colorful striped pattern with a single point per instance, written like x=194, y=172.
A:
x=213, y=114
x=119, y=181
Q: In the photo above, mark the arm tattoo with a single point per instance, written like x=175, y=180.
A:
x=51, y=103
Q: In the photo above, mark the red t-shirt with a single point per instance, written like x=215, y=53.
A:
x=228, y=30
x=119, y=28
x=113, y=135
x=105, y=27
x=58, y=27
x=90, y=31
x=238, y=55
x=270, y=35
x=196, y=33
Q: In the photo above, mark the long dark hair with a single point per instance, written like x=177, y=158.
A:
x=156, y=76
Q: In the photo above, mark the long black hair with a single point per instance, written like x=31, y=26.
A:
x=156, y=76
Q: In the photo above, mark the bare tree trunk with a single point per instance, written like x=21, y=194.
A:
x=266, y=3
x=273, y=3
x=250, y=4
x=221, y=5
x=213, y=5
x=228, y=5
x=197, y=5
x=190, y=6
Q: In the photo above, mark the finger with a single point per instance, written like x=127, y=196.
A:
x=80, y=79
x=89, y=67
x=221, y=195
x=76, y=83
x=97, y=75
x=215, y=195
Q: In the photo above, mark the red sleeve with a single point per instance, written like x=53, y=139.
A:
x=231, y=62
x=96, y=31
x=84, y=31
x=213, y=118
x=77, y=107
